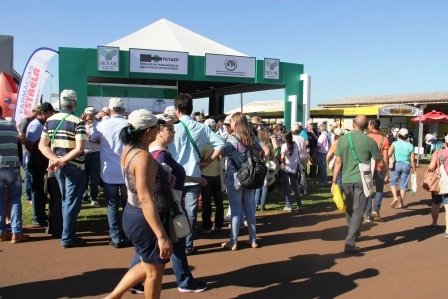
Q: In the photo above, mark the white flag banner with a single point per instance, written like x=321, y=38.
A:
x=33, y=81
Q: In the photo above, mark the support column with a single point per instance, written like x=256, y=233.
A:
x=216, y=105
x=293, y=90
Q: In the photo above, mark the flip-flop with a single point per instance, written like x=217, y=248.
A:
x=393, y=204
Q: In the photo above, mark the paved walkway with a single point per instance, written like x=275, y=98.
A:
x=300, y=257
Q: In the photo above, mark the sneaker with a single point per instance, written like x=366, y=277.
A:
x=137, y=289
x=205, y=231
x=117, y=244
x=351, y=249
x=369, y=219
x=287, y=209
x=445, y=235
x=229, y=246
x=77, y=243
x=252, y=244
x=19, y=238
x=5, y=236
x=190, y=251
x=95, y=204
x=199, y=286
x=376, y=216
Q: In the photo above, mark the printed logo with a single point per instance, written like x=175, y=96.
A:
x=108, y=54
x=150, y=58
x=271, y=68
x=108, y=59
x=230, y=64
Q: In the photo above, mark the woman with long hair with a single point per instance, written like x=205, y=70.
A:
x=290, y=160
x=145, y=218
x=238, y=142
x=404, y=161
x=260, y=193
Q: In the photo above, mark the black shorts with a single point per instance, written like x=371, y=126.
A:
x=141, y=235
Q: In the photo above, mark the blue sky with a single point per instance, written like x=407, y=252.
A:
x=350, y=48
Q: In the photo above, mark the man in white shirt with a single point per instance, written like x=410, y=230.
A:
x=107, y=134
x=323, y=145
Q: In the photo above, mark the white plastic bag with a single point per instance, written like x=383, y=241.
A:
x=413, y=183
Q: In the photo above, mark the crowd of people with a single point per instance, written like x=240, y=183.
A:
x=147, y=163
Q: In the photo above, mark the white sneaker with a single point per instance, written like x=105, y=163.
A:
x=287, y=209
x=95, y=204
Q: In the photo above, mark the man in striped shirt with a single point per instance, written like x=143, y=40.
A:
x=10, y=177
x=62, y=142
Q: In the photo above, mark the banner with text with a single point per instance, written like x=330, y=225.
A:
x=108, y=59
x=229, y=66
x=158, y=62
x=33, y=82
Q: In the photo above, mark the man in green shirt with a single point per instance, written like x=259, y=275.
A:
x=356, y=201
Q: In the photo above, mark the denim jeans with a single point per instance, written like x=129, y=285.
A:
x=290, y=181
x=377, y=197
x=191, y=208
x=27, y=180
x=213, y=188
x=260, y=194
x=93, y=168
x=71, y=183
x=117, y=196
x=242, y=198
x=11, y=177
x=322, y=164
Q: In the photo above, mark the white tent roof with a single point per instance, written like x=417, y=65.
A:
x=166, y=35
x=261, y=108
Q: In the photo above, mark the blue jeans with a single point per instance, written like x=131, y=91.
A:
x=242, y=198
x=290, y=181
x=117, y=196
x=27, y=181
x=10, y=176
x=71, y=183
x=322, y=164
x=93, y=168
x=260, y=194
x=191, y=208
x=376, y=198
x=401, y=173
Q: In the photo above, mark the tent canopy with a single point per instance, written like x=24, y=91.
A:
x=166, y=35
x=262, y=109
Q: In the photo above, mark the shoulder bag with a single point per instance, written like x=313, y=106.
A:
x=431, y=180
x=365, y=170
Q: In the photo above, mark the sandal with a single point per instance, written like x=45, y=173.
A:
x=393, y=204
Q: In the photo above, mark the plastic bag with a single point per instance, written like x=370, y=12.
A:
x=413, y=183
x=338, y=198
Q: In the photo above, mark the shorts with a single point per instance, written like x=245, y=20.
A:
x=141, y=235
x=439, y=198
x=401, y=172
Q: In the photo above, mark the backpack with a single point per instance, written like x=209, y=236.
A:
x=252, y=173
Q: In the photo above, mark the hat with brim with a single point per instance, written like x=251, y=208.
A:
x=256, y=120
x=141, y=119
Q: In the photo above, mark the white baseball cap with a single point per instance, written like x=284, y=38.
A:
x=403, y=132
x=90, y=110
x=68, y=95
x=116, y=102
x=142, y=119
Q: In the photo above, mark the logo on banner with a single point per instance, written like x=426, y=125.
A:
x=230, y=64
x=108, y=59
x=271, y=68
x=162, y=62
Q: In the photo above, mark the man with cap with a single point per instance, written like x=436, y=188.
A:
x=92, y=158
x=62, y=142
x=107, y=134
x=190, y=139
x=38, y=163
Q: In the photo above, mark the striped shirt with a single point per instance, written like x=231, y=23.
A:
x=9, y=154
x=71, y=130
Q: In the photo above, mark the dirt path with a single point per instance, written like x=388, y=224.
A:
x=300, y=257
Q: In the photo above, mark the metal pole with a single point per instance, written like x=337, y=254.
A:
x=420, y=133
x=241, y=102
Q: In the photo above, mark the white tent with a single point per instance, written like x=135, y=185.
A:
x=262, y=108
x=166, y=35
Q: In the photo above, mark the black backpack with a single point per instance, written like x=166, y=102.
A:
x=252, y=173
